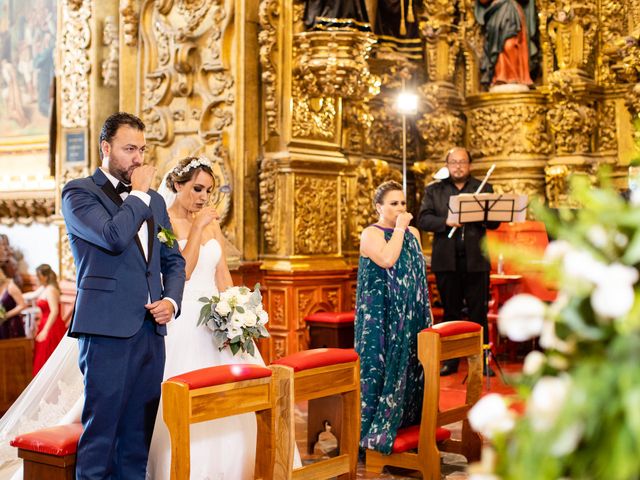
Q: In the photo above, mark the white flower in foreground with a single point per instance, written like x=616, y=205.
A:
x=612, y=301
x=549, y=339
x=491, y=416
x=533, y=362
x=223, y=307
x=598, y=236
x=547, y=400
x=614, y=294
x=556, y=250
x=250, y=319
x=580, y=265
x=521, y=317
x=635, y=197
x=568, y=440
x=263, y=317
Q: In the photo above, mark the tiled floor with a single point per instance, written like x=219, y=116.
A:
x=452, y=392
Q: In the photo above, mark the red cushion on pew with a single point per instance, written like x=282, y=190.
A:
x=455, y=327
x=60, y=441
x=206, y=377
x=331, y=317
x=318, y=357
x=407, y=438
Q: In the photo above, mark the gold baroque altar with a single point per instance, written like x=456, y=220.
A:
x=301, y=124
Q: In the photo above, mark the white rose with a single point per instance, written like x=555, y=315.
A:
x=490, y=416
x=223, y=307
x=547, y=399
x=521, y=317
x=250, y=319
x=237, y=322
x=162, y=237
x=233, y=332
x=533, y=362
x=612, y=301
x=263, y=317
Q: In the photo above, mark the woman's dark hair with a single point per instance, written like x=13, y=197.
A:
x=50, y=276
x=181, y=174
x=383, y=189
x=114, y=122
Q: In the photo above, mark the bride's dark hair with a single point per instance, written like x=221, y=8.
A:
x=186, y=169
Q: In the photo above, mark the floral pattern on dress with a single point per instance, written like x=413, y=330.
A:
x=392, y=306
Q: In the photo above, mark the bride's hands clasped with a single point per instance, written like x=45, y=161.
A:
x=205, y=217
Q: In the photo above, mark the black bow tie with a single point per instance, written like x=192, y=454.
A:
x=122, y=188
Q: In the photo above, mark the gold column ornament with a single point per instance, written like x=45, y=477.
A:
x=572, y=32
x=509, y=129
x=111, y=52
x=130, y=19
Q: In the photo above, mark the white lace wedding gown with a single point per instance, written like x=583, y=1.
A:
x=221, y=449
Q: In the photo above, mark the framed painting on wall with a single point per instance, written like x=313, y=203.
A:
x=27, y=52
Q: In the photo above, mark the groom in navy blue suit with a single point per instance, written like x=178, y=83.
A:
x=129, y=286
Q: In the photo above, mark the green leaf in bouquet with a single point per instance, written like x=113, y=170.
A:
x=251, y=349
x=235, y=347
x=255, y=299
x=204, y=300
x=205, y=313
x=239, y=309
x=263, y=331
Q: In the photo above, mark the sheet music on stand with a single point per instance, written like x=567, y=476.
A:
x=487, y=207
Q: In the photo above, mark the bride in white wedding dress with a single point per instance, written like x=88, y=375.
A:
x=221, y=449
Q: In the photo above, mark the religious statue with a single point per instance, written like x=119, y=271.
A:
x=510, y=52
x=397, y=28
x=323, y=14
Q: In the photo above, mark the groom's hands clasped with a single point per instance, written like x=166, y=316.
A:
x=141, y=178
x=162, y=311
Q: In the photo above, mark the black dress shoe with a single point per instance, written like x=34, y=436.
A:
x=485, y=371
x=448, y=370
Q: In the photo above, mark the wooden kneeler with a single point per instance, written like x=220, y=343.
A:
x=227, y=390
x=323, y=372
x=49, y=453
x=418, y=447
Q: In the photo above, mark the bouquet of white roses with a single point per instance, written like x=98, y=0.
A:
x=236, y=318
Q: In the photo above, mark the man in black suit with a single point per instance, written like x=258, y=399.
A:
x=461, y=268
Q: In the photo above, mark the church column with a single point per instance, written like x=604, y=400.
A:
x=304, y=175
x=86, y=95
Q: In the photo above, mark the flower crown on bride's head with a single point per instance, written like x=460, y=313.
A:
x=195, y=163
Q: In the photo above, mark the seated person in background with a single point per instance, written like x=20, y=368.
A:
x=50, y=328
x=11, y=304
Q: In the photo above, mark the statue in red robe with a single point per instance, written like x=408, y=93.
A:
x=510, y=51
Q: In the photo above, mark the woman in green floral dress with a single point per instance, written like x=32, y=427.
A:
x=392, y=306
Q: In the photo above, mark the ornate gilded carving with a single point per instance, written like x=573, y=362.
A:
x=507, y=129
x=316, y=215
x=385, y=137
x=268, y=16
x=130, y=20
x=305, y=299
x=572, y=118
x=313, y=118
x=572, y=32
x=440, y=126
x=607, y=134
x=278, y=303
x=26, y=211
x=357, y=121
x=110, y=62
x=67, y=264
x=442, y=40
x=613, y=27
x=556, y=185
x=188, y=91
x=269, y=198
x=334, y=63
x=633, y=100
x=75, y=41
